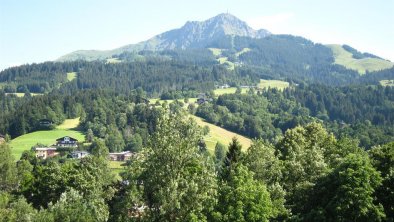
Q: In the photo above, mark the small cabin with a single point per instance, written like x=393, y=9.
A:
x=45, y=152
x=66, y=142
x=122, y=156
x=79, y=154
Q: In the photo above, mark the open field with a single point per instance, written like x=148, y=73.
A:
x=23, y=94
x=69, y=124
x=387, y=82
x=218, y=134
x=114, y=60
x=231, y=90
x=216, y=51
x=71, y=76
x=46, y=137
x=224, y=60
x=244, y=50
x=343, y=57
x=281, y=85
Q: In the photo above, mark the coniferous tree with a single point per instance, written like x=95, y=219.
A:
x=8, y=174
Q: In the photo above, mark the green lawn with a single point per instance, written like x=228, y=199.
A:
x=71, y=76
x=343, y=57
x=281, y=85
x=46, y=137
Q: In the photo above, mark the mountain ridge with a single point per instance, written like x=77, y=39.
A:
x=193, y=34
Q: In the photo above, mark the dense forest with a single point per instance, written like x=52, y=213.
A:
x=307, y=175
x=363, y=112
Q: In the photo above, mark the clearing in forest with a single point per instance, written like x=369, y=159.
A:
x=45, y=137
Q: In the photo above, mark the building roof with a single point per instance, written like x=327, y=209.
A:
x=81, y=152
x=121, y=153
x=63, y=138
x=44, y=148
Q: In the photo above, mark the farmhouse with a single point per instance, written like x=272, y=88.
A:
x=122, y=156
x=66, y=142
x=45, y=152
x=79, y=154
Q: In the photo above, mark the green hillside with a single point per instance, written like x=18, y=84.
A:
x=218, y=134
x=343, y=57
x=46, y=137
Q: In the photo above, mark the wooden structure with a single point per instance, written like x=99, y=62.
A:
x=45, y=152
x=122, y=156
x=67, y=142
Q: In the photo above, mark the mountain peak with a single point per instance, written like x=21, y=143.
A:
x=225, y=17
x=194, y=34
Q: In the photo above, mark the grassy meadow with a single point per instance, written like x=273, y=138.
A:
x=218, y=134
x=281, y=85
x=343, y=57
x=230, y=90
x=46, y=137
x=71, y=76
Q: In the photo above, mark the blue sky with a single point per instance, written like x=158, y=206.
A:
x=42, y=30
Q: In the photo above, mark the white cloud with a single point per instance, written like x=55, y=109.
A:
x=273, y=23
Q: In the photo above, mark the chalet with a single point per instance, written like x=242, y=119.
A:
x=79, y=154
x=2, y=138
x=122, y=156
x=45, y=152
x=66, y=142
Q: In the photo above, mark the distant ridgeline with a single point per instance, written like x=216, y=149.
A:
x=288, y=58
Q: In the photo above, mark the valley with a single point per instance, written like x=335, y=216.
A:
x=211, y=121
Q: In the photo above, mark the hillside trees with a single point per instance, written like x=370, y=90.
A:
x=240, y=198
x=382, y=158
x=347, y=193
x=178, y=181
x=8, y=173
x=267, y=169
